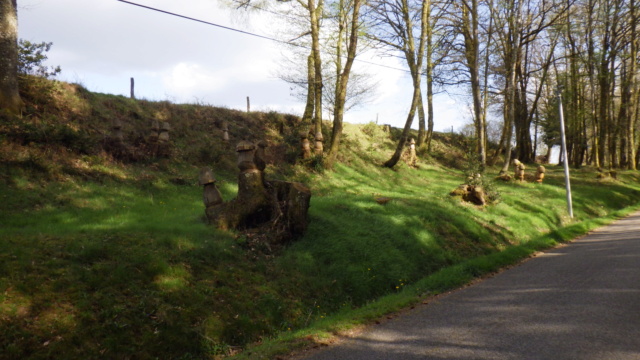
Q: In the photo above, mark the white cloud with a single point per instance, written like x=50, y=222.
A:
x=186, y=79
x=102, y=43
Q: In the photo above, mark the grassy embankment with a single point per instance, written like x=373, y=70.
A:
x=101, y=258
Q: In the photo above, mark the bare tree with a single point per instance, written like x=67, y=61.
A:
x=402, y=25
x=348, y=28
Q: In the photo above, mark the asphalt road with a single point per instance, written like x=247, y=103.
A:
x=578, y=302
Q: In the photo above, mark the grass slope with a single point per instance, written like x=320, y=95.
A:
x=101, y=258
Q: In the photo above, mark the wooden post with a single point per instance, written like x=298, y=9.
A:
x=133, y=96
x=248, y=105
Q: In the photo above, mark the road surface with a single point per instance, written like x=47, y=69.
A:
x=577, y=302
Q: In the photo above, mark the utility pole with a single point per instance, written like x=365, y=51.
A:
x=565, y=156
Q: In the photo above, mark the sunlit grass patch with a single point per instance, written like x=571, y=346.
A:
x=13, y=304
x=175, y=278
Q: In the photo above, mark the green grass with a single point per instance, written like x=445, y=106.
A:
x=104, y=259
x=127, y=265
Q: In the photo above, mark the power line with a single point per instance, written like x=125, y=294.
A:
x=207, y=23
x=247, y=33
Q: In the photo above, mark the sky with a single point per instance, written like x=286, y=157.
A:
x=101, y=44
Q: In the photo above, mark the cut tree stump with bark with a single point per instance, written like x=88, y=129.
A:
x=280, y=208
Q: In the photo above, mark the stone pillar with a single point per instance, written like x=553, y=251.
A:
x=318, y=150
x=211, y=195
x=306, y=145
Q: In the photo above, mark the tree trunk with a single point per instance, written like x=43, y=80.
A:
x=429, y=75
x=407, y=127
x=307, y=116
x=314, y=17
x=343, y=76
x=633, y=87
x=429, y=106
x=415, y=59
x=9, y=92
x=422, y=131
x=472, y=52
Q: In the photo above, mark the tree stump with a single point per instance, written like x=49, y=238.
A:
x=279, y=207
x=470, y=193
